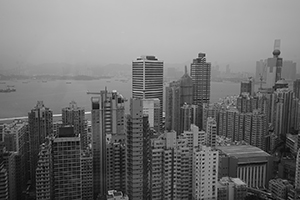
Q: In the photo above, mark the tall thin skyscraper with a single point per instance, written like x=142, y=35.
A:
x=147, y=79
x=107, y=120
x=177, y=94
x=137, y=152
x=40, y=126
x=74, y=115
x=200, y=73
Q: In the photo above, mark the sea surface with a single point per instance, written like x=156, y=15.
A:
x=57, y=94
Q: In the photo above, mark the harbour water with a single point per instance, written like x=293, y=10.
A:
x=57, y=94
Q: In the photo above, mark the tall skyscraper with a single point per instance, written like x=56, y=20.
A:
x=177, y=94
x=74, y=115
x=147, y=79
x=137, y=152
x=107, y=120
x=274, y=66
x=200, y=73
x=40, y=126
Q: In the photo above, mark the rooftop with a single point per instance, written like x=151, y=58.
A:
x=242, y=151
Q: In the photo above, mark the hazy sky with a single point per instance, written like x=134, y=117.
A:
x=111, y=31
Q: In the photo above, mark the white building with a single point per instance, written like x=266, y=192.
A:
x=205, y=173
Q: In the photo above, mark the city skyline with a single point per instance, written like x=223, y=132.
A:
x=91, y=33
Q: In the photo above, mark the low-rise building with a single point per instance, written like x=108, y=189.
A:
x=231, y=188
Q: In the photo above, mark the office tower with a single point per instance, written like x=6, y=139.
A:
x=296, y=88
x=3, y=181
x=205, y=173
x=74, y=115
x=116, y=173
x=40, y=126
x=211, y=132
x=147, y=79
x=289, y=70
x=151, y=107
x=200, y=73
x=64, y=171
x=274, y=66
x=186, y=88
x=66, y=160
x=279, y=188
x=178, y=93
x=297, y=175
x=168, y=167
x=231, y=188
x=237, y=161
x=172, y=106
x=107, y=120
x=137, y=152
x=261, y=71
x=247, y=86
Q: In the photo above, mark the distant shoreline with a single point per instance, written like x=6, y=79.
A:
x=26, y=117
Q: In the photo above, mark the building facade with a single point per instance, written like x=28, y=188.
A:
x=137, y=152
x=201, y=74
x=205, y=173
x=107, y=120
x=147, y=79
x=74, y=115
x=40, y=122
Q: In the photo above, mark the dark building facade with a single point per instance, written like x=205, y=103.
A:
x=201, y=75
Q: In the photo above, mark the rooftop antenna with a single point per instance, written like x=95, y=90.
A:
x=185, y=69
x=276, y=51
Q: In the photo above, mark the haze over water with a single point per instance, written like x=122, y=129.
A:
x=58, y=94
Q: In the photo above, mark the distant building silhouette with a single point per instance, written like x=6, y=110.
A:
x=274, y=66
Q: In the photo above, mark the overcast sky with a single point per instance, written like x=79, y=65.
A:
x=111, y=31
